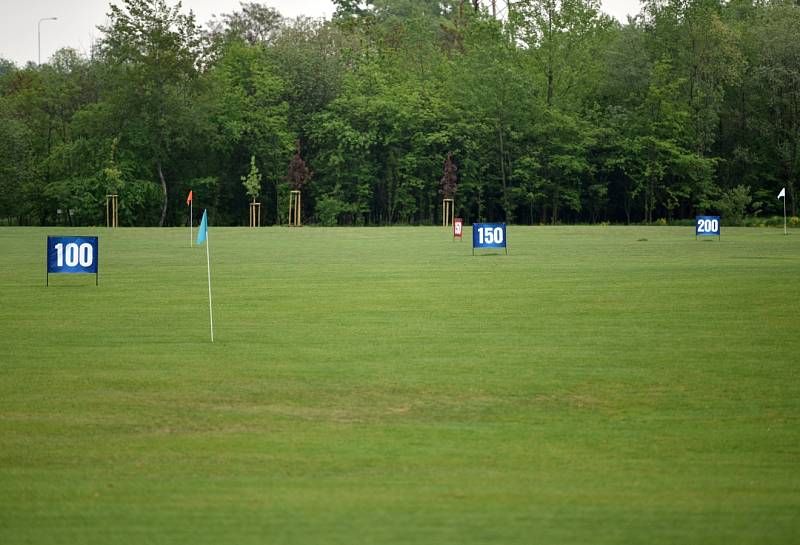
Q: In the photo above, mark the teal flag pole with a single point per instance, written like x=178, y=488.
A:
x=202, y=236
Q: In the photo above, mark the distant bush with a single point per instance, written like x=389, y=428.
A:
x=329, y=208
x=733, y=204
x=769, y=221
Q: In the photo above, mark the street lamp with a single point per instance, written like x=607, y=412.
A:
x=39, y=36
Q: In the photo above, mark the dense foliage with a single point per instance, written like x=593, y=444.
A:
x=554, y=113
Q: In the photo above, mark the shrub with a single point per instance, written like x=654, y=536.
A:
x=733, y=204
x=329, y=208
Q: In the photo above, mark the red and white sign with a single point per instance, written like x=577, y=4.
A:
x=458, y=227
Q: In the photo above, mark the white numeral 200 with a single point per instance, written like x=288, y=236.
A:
x=707, y=226
x=74, y=254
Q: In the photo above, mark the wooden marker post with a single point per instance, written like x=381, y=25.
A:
x=294, y=208
x=255, y=214
x=448, y=212
x=112, y=211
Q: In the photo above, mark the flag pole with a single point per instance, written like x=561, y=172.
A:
x=210, y=312
x=191, y=208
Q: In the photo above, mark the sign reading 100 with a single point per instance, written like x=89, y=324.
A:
x=72, y=254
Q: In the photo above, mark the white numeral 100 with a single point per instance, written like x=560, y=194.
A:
x=707, y=226
x=487, y=235
x=74, y=254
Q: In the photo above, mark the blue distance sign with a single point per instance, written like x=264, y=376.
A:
x=489, y=235
x=72, y=255
x=706, y=226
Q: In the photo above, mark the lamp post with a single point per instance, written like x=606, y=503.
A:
x=39, y=36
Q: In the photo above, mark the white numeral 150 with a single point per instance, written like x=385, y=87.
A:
x=487, y=235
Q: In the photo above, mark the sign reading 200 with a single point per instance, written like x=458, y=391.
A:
x=707, y=226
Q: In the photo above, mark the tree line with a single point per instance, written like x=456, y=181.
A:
x=552, y=113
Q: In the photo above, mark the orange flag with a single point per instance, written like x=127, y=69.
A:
x=189, y=198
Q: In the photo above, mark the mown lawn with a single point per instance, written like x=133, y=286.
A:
x=382, y=385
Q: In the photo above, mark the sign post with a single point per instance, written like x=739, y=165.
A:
x=72, y=255
x=489, y=235
x=707, y=226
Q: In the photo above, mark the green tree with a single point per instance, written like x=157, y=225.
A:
x=776, y=73
x=563, y=38
x=252, y=182
x=255, y=24
x=495, y=98
x=16, y=162
x=307, y=57
x=244, y=101
x=154, y=51
x=733, y=204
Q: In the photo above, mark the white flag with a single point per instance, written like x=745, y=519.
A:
x=782, y=194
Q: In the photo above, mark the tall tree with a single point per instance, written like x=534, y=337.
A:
x=776, y=70
x=563, y=38
x=16, y=161
x=449, y=181
x=490, y=85
x=255, y=24
x=154, y=50
x=249, y=115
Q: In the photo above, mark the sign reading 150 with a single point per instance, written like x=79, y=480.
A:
x=490, y=235
x=72, y=255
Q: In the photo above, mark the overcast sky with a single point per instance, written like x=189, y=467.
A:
x=77, y=22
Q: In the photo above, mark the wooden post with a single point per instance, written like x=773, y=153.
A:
x=295, y=208
x=448, y=212
x=112, y=211
x=255, y=214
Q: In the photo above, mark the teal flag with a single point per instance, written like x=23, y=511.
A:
x=202, y=233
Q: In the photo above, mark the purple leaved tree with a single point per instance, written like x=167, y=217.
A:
x=298, y=174
x=449, y=182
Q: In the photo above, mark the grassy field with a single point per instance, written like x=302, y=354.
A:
x=597, y=385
